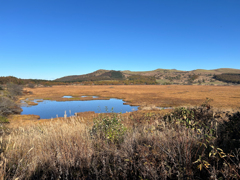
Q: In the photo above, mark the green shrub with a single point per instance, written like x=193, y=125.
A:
x=196, y=118
x=109, y=128
x=3, y=119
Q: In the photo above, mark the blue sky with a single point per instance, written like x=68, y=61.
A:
x=48, y=39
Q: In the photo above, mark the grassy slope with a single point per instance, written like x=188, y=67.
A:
x=153, y=71
x=162, y=76
x=217, y=71
x=221, y=70
x=75, y=77
x=156, y=72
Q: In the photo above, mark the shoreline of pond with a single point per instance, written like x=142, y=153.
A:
x=48, y=109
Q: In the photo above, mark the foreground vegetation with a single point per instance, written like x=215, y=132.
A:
x=188, y=143
x=8, y=96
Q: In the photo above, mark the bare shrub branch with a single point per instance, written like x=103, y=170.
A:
x=8, y=107
x=14, y=90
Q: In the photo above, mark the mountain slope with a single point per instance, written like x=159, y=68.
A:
x=94, y=76
x=163, y=76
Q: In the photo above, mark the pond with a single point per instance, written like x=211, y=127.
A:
x=50, y=109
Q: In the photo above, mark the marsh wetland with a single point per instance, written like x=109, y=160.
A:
x=48, y=109
x=194, y=120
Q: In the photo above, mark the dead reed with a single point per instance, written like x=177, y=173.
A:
x=176, y=146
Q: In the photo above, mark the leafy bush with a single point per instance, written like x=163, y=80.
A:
x=212, y=161
x=196, y=118
x=3, y=119
x=229, y=133
x=109, y=128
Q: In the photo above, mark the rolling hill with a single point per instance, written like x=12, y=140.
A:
x=223, y=76
x=94, y=76
x=162, y=76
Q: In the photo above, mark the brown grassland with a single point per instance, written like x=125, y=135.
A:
x=144, y=95
x=225, y=98
x=181, y=143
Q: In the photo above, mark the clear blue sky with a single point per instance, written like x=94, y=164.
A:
x=48, y=39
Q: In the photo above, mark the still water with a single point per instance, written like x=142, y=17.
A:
x=51, y=109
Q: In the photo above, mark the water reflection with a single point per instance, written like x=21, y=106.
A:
x=90, y=96
x=51, y=109
x=67, y=97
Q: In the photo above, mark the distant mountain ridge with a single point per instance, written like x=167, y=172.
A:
x=222, y=76
x=171, y=74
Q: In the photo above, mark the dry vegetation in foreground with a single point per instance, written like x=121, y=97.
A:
x=144, y=95
x=185, y=144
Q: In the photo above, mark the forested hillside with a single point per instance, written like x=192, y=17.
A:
x=228, y=77
x=19, y=81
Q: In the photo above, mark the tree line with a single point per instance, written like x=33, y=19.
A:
x=109, y=78
x=132, y=80
x=228, y=77
x=19, y=81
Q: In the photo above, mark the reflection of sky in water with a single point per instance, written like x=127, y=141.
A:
x=67, y=97
x=90, y=96
x=50, y=109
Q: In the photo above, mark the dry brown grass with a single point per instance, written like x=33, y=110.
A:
x=30, y=103
x=65, y=149
x=34, y=146
x=163, y=96
x=22, y=120
x=155, y=149
x=224, y=97
x=85, y=117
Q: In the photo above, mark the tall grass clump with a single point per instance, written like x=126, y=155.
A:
x=59, y=149
x=181, y=145
x=109, y=128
